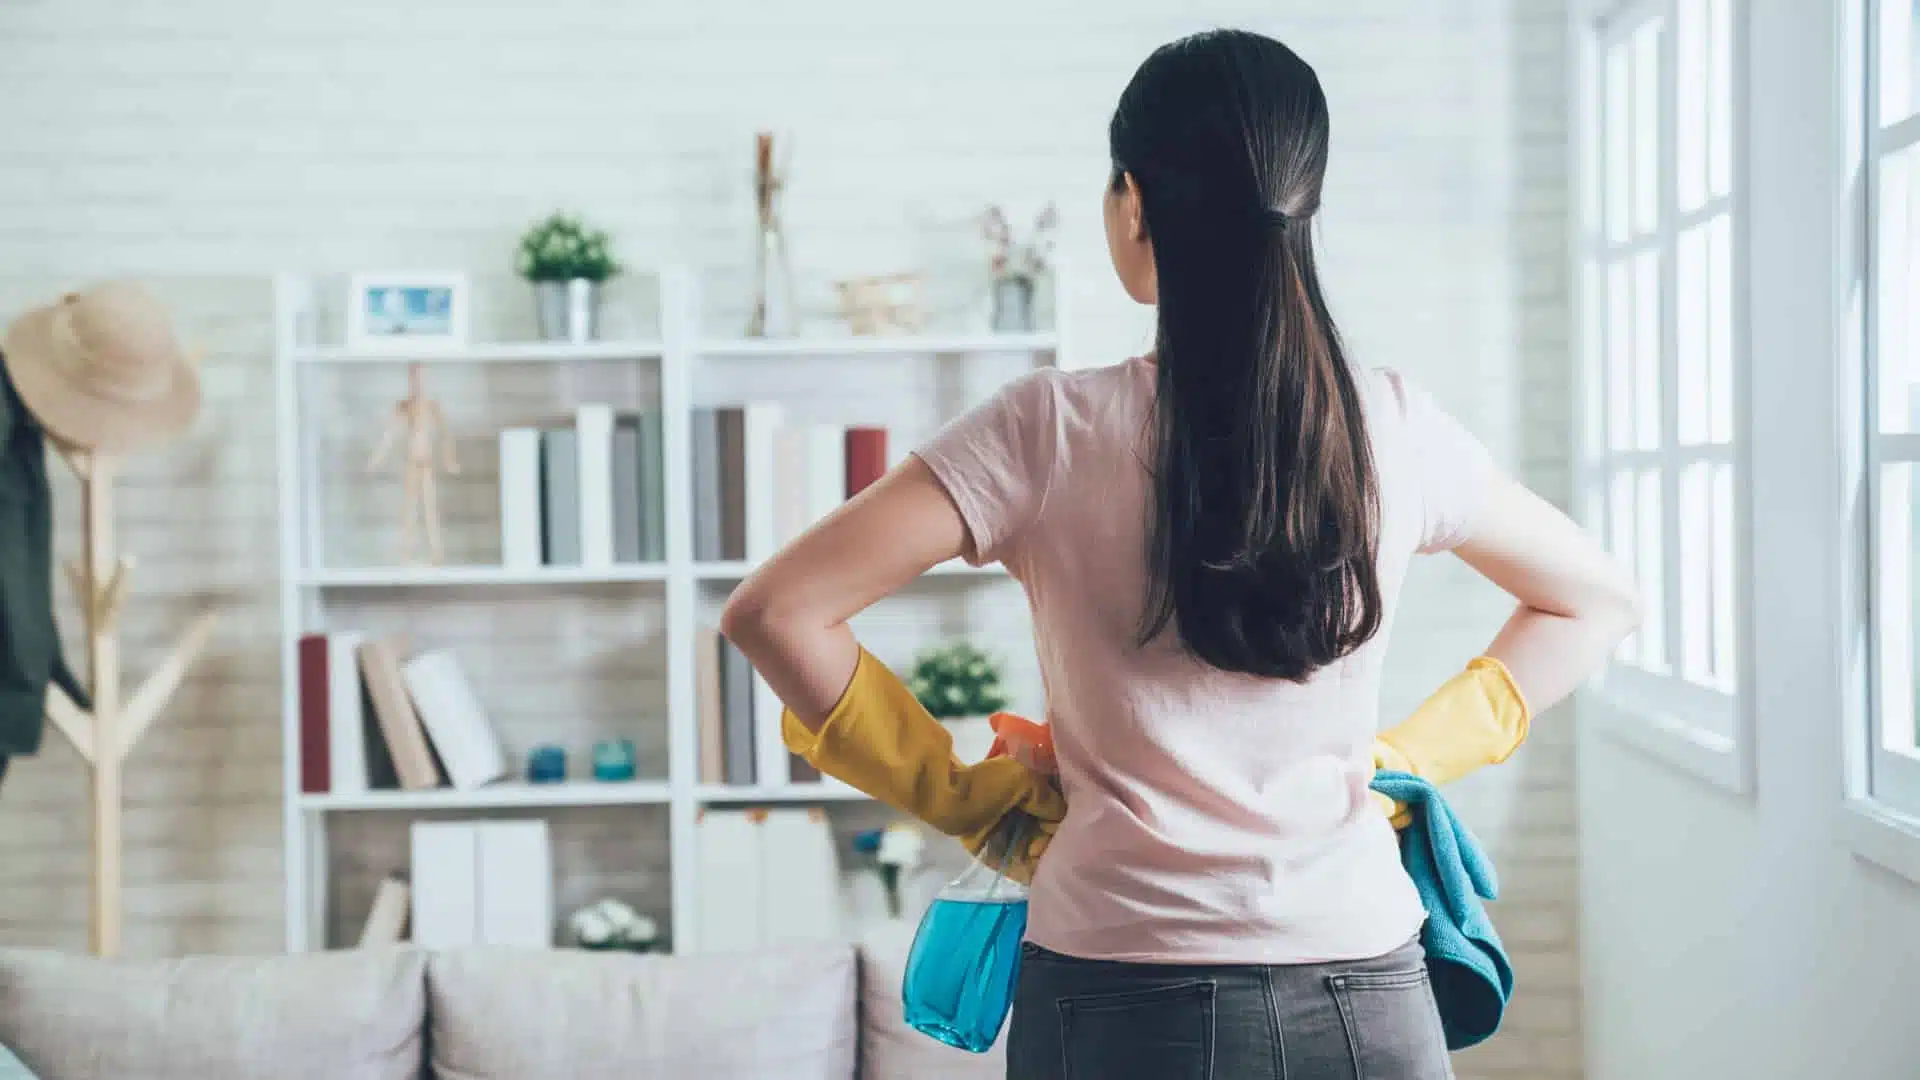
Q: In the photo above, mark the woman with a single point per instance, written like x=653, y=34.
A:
x=1212, y=539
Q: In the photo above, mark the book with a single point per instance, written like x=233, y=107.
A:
x=732, y=425
x=400, y=728
x=346, y=716
x=727, y=851
x=444, y=876
x=560, y=496
x=769, y=751
x=736, y=697
x=454, y=719
x=593, y=434
x=866, y=457
x=705, y=501
x=759, y=469
x=826, y=471
x=520, y=513
x=626, y=489
x=708, y=706
x=316, y=772
x=799, y=878
x=387, y=919
x=515, y=884
x=653, y=489
x=792, y=491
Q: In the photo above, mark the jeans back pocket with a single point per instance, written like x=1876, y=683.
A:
x=1155, y=1033
x=1393, y=1025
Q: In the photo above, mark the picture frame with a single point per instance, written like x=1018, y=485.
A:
x=408, y=311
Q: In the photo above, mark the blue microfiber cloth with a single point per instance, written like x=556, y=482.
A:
x=1472, y=979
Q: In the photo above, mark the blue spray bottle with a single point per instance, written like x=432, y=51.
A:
x=966, y=954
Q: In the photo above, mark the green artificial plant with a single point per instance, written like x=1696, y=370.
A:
x=957, y=680
x=562, y=248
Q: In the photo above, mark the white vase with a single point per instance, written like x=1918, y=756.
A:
x=972, y=737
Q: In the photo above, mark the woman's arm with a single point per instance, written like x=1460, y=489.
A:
x=790, y=617
x=1576, y=602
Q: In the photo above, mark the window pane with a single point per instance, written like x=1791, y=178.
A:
x=1592, y=363
x=1725, y=638
x=1720, y=116
x=1690, y=324
x=1650, y=566
x=1646, y=350
x=1646, y=127
x=1896, y=61
x=1690, y=91
x=1893, y=606
x=1618, y=119
x=1893, y=295
x=1696, y=575
x=1620, y=540
x=1720, y=326
x=1619, y=357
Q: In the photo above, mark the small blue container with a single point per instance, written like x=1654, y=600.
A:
x=546, y=765
x=613, y=760
x=965, y=960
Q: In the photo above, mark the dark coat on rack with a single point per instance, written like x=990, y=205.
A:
x=30, y=653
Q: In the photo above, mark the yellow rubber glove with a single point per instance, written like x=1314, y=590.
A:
x=1477, y=718
x=881, y=740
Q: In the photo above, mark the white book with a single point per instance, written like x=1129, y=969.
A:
x=728, y=854
x=792, y=487
x=772, y=766
x=445, y=881
x=763, y=420
x=387, y=919
x=516, y=884
x=826, y=470
x=346, y=717
x=454, y=719
x=802, y=901
x=594, y=427
x=520, y=498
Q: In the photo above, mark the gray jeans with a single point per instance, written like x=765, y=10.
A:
x=1100, y=1020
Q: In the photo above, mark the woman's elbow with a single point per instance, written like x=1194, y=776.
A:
x=747, y=619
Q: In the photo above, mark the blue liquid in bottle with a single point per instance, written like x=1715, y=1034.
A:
x=962, y=970
x=966, y=956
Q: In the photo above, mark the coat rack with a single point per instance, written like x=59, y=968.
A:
x=104, y=736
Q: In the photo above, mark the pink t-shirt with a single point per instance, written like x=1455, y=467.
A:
x=1213, y=817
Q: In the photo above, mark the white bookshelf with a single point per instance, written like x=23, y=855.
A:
x=680, y=587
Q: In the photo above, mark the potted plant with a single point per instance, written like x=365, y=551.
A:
x=567, y=264
x=960, y=685
x=1016, y=267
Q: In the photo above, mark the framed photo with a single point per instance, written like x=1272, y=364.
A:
x=407, y=311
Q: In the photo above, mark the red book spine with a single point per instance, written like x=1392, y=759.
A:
x=866, y=457
x=314, y=743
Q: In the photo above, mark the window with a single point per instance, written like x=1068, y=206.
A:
x=1889, y=173
x=1659, y=472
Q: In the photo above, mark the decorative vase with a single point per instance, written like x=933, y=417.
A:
x=546, y=765
x=1013, y=305
x=568, y=310
x=613, y=760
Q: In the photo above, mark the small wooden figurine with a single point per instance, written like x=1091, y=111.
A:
x=418, y=422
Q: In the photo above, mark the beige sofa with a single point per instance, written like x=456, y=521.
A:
x=826, y=1013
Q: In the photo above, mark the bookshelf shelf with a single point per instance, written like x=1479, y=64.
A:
x=737, y=570
x=400, y=577
x=902, y=345
x=502, y=352
x=499, y=796
x=677, y=596
x=723, y=794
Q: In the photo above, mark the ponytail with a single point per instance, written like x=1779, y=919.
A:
x=1264, y=532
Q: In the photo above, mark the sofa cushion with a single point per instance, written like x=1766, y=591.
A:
x=504, y=1014
x=889, y=1048
x=323, y=1016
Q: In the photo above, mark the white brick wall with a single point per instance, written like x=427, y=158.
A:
x=209, y=142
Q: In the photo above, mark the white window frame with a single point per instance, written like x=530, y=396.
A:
x=1882, y=788
x=1706, y=731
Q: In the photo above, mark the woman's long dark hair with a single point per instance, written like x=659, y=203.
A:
x=1265, y=521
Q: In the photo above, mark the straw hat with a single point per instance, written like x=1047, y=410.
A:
x=101, y=369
